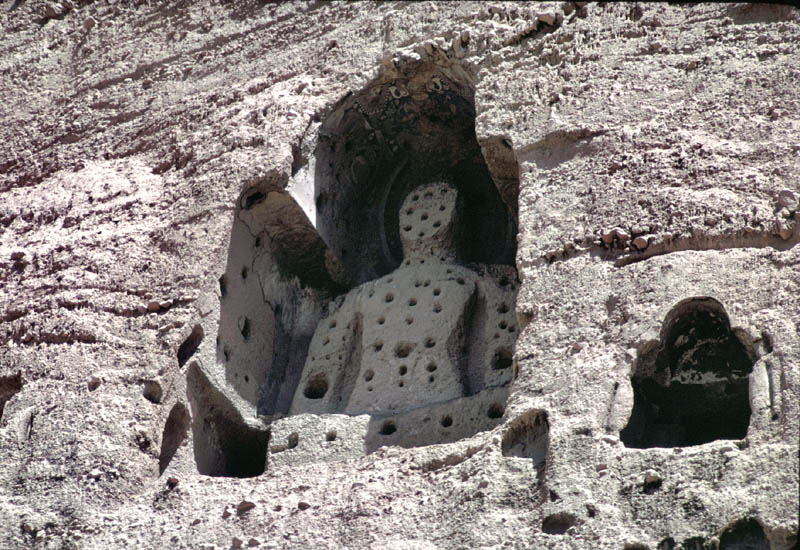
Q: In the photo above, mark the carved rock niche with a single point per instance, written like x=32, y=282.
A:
x=372, y=300
x=692, y=388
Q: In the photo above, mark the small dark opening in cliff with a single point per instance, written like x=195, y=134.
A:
x=693, y=387
x=224, y=444
x=746, y=534
x=529, y=437
x=666, y=544
x=558, y=524
x=693, y=543
x=317, y=387
x=242, y=451
x=190, y=345
x=9, y=386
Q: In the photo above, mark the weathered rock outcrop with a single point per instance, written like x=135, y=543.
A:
x=191, y=193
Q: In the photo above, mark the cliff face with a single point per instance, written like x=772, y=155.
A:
x=191, y=191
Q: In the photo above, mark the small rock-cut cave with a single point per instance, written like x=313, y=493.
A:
x=692, y=387
x=529, y=437
x=225, y=443
x=323, y=307
x=746, y=534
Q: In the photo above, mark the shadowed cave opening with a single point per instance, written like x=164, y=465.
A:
x=692, y=387
x=559, y=523
x=746, y=534
x=224, y=443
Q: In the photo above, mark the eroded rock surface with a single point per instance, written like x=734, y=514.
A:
x=191, y=192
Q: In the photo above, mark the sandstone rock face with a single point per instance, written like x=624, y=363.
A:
x=195, y=197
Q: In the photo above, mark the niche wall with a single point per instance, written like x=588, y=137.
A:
x=692, y=388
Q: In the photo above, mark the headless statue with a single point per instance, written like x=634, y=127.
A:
x=430, y=332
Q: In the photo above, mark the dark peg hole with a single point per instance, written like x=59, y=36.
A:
x=388, y=428
x=316, y=387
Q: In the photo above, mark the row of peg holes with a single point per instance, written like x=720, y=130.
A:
x=494, y=412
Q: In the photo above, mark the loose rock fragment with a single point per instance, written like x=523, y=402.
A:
x=93, y=383
x=53, y=10
x=172, y=482
x=303, y=505
x=651, y=476
x=244, y=506
x=610, y=439
x=153, y=306
x=236, y=542
x=787, y=199
x=621, y=234
x=89, y=23
x=783, y=228
x=548, y=18
x=577, y=347
x=640, y=243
